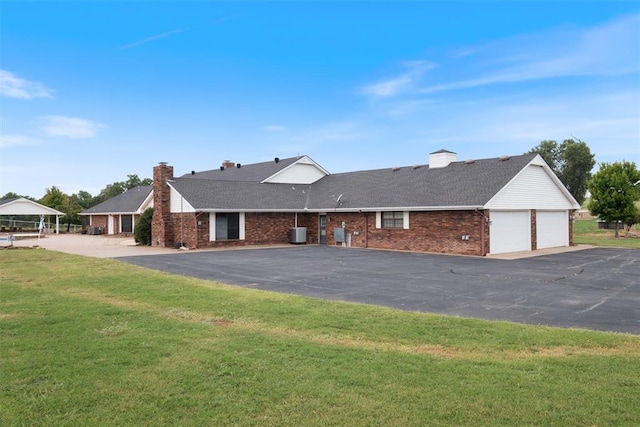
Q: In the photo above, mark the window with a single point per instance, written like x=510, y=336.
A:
x=126, y=222
x=228, y=226
x=393, y=219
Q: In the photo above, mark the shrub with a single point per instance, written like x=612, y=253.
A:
x=142, y=233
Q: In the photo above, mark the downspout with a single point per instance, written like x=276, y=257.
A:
x=482, y=227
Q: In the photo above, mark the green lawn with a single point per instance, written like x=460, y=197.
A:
x=586, y=232
x=88, y=342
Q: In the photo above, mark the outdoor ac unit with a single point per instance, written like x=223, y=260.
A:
x=299, y=235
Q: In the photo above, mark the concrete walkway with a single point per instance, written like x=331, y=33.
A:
x=94, y=246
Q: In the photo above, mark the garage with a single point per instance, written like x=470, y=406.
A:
x=510, y=231
x=552, y=229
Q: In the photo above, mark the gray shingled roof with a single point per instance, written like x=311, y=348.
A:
x=255, y=172
x=460, y=184
x=127, y=202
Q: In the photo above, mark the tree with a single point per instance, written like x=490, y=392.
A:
x=12, y=195
x=142, y=232
x=614, y=190
x=572, y=163
x=119, y=187
x=55, y=198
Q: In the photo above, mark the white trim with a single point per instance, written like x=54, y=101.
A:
x=378, y=219
x=405, y=220
x=241, y=225
x=212, y=226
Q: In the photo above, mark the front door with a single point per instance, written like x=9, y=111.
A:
x=322, y=232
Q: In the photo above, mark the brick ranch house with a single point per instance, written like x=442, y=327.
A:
x=473, y=207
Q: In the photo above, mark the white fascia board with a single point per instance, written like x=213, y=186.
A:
x=537, y=161
x=369, y=209
x=146, y=203
x=304, y=160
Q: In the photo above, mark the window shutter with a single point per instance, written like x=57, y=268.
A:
x=405, y=220
x=378, y=219
x=241, y=220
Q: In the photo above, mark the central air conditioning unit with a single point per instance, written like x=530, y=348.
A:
x=299, y=235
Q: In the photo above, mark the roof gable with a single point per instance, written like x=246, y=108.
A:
x=23, y=206
x=302, y=171
x=255, y=172
x=534, y=187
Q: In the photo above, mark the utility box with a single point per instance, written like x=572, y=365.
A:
x=338, y=235
x=94, y=231
x=298, y=235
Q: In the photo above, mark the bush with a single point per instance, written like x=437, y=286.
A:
x=142, y=233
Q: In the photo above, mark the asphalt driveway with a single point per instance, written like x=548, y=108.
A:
x=595, y=288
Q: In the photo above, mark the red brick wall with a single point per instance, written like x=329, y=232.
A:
x=534, y=230
x=98, y=221
x=261, y=228
x=438, y=232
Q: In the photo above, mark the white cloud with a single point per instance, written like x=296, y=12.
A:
x=414, y=70
x=71, y=127
x=12, y=86
x=274, y=128
x=608, y=49
x=14, y=140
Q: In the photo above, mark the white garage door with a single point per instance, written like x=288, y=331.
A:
x=509, y=231
x=552, y=229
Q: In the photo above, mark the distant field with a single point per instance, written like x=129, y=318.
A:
x=586, y=232
x=88, y=342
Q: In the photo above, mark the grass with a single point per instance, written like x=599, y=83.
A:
x=586, y=232
x=97, y=342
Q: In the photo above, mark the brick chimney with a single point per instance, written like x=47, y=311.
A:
x=228, y=164
x=161, y=223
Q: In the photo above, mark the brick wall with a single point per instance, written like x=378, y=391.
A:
x=437, y=232
x=261, y=228
x=162, y=225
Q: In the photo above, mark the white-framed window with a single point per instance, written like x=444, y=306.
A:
x=392, y=219
x=226, y=226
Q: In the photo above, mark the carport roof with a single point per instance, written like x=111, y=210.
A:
x=24, y=206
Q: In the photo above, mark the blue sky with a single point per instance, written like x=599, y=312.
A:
x=92, y=91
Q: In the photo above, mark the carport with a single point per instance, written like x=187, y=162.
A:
x=23, y=207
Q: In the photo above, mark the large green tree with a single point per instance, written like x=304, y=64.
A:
x=571, y=161
x=614, y=190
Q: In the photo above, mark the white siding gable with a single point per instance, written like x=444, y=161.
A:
x=179, y=204
x=532, y=188
x=302, y=171
x=24, y=206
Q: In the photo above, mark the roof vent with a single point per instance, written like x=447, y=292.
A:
x=238, y=165
x=441, y=158
x=469, y=162
x=395, y=168
x=193, y=172
x=504, y=158
x=277, y=159
x=221, y=168
x=414, y=167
